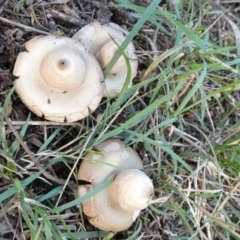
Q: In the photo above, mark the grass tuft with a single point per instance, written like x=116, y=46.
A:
x=181, y=115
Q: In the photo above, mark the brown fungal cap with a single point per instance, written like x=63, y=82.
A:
x=58, y=78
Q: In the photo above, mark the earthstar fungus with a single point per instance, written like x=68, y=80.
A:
x=58, y=78
x=98, y=39
x=116, y=207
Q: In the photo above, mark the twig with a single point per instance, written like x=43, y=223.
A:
x=213, y=217
x=75, y=164
x=8, y=222
x=43, y=123
x=189, y=80
x=153, y=47
x=66, y=18
x=27, y=28
x=117, y=114
x=228, y=196
x=31, y=156
x=180, y=134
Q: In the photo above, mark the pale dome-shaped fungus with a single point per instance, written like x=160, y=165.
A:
x=116, y=207
x=58, y=79
x=98, y=39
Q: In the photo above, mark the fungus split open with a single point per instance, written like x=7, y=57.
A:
x=58, y=78
x=117, y=207
x=97, y=39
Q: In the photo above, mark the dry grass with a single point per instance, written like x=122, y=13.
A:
x=181, y=116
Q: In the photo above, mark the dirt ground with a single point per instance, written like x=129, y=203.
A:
x=22, y=20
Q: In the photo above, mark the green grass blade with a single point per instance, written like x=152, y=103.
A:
x=193, y=90
x=56, y=191
x=24, y=183
x=88, y=195
x=149, y=10
x=15, y=145
x=49, y=140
